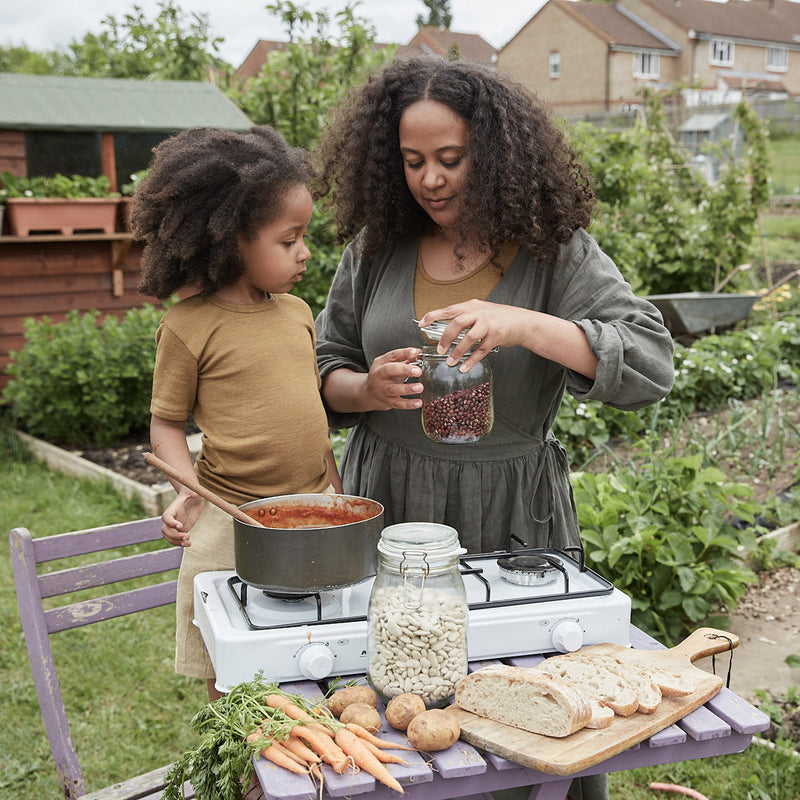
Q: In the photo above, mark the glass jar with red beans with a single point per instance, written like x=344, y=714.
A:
x=457, y=407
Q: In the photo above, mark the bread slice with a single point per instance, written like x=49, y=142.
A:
x=524, y=698
x=649, y=692
x=595, y=679
x=671, y=684
x=602, y=716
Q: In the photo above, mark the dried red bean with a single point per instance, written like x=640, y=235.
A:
x=459, y=417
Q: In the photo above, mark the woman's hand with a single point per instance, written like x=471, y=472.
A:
x=388, y=384
x=486, y=326
x=490, y=325
x=180, y=516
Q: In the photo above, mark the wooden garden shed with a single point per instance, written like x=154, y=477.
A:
x=86, y=126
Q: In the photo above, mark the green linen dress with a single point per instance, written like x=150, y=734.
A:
x=514, y=482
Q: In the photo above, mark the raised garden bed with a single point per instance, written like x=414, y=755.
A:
x=154, y=498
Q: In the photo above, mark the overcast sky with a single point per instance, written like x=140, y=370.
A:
x=50, y=25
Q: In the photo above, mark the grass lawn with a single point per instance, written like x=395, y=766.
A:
x=785, y=165
x=128, y=710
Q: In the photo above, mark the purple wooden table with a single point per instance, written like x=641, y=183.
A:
x=725, y=724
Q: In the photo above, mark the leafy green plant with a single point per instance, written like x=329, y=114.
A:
x=127, y=189
x=737, y=364
x=84, y=382
x=667, y=228
x=58, y=185
x=662, y=528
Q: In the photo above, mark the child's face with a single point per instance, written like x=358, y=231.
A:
x=276, y=259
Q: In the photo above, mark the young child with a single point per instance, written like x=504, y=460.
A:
x=226, y=213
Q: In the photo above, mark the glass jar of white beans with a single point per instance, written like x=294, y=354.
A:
x=417, y=615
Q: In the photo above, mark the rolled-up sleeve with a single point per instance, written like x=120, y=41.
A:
x=627, y=334
x=338, y=328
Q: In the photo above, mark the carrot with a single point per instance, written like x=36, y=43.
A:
x=323, y=745
x=363, y=733
x=293, y=711
x=382, y=755
x=301, y=750
x=354, y=747
x=277, y=754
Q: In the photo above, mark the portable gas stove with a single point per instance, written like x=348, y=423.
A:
x=521, y=602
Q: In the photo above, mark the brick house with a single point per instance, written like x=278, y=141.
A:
x=583, y=57
x=429, y=41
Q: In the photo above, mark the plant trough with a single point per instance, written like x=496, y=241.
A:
x=694, y=312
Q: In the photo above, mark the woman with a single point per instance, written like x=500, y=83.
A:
x=465, y=203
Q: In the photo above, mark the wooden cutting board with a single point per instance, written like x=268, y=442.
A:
x=586, y=747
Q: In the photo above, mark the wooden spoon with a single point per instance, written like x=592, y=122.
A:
x=191, y=482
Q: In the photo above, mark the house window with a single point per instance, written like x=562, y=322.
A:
x=721, y=54
x=646, y=65
x=777, y=59
x=554, y=65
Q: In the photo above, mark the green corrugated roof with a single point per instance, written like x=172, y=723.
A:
x=113, y=104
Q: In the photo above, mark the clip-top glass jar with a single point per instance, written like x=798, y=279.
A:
x=457, y=407
x=417, y=615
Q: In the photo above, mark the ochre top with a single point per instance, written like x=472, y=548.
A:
x=248, y=376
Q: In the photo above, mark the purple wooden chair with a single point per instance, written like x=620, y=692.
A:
x=39, y=623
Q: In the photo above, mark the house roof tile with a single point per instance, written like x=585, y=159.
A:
x=775, y=21
x=613, y=26
x=438, y=42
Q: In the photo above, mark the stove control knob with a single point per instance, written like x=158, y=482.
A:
x=315, y=661
x=567, y=636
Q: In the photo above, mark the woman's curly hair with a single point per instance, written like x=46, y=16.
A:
x=206, y=187
x=526, y=184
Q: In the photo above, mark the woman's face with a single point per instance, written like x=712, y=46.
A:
x=433, y=143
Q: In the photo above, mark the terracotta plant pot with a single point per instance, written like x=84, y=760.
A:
x=28, y=215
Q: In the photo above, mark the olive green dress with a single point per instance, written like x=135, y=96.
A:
x=515, y=481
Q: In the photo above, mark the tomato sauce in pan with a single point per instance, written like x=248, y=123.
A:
x=290, y=517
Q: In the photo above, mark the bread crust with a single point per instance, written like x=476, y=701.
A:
x=526, y=699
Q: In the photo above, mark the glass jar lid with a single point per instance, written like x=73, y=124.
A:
x=435, y=330
x=438, y=542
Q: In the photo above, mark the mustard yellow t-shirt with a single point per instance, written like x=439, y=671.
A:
x=248, y=376
x=430, y=293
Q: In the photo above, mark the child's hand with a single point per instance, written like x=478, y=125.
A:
x=180, y=516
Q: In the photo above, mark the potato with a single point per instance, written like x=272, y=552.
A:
x=342, y=698
x=362, y=714
x=434, y=729
x=402, y=709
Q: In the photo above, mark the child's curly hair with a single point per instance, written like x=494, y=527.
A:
x=205, y=187
x=526, y=184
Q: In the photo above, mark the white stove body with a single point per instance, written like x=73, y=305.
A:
x=289, y=643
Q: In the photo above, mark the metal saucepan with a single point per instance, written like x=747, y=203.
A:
x=313, y=542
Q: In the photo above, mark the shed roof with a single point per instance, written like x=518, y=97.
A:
x=29, y=102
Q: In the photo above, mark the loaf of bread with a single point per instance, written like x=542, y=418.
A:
x=524, y=698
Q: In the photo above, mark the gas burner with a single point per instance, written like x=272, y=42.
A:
x=287, y=597
x=263, y=609
x=529, y=569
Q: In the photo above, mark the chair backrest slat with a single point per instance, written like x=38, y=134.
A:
x=94, y=540
x=53, y=584
x=87, y=612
